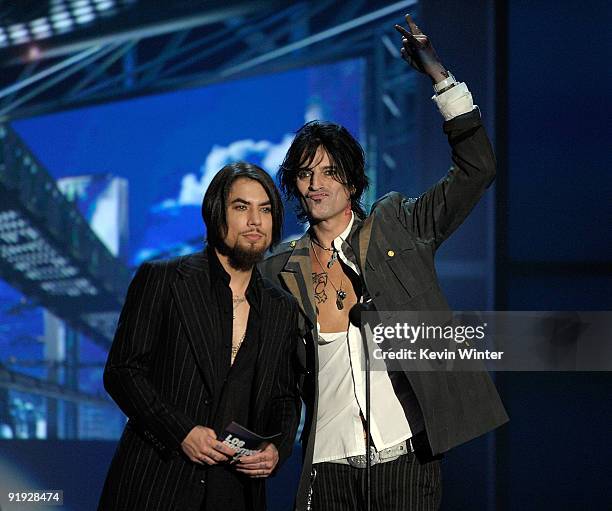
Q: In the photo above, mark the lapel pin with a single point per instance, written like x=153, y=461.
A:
x=390, y=253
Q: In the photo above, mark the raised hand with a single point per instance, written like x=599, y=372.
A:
x=418, y=51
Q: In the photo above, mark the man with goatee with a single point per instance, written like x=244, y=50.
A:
x=204, y=340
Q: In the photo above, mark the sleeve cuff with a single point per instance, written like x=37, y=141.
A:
x=454, y=102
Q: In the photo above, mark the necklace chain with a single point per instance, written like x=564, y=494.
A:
x=340, y=293
x=237, y=301
x=316, y=242
x=236, y=347
x=332, y=249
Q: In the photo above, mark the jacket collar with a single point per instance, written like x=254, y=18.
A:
x=297, y=276
x=297, y=272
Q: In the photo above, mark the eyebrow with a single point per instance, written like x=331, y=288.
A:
x=244, y=201
x=327, y=167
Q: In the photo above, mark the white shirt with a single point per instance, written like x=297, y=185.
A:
x=342, y=393
x=339, y=431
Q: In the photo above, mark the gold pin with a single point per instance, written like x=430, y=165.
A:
x=292, y=244
x=390, y=253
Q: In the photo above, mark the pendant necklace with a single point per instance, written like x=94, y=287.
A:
x=333, y=250
x=340, y=293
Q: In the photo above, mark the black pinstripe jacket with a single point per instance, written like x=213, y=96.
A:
x=394, y=249
x=159, y=371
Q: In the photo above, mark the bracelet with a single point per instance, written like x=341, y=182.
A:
x=444, y=85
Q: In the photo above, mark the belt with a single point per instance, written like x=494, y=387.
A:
x=376, y=457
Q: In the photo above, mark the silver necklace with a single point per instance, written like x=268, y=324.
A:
x=237, y=301
x=236, y=347
x=340, y=293
x=333, y=250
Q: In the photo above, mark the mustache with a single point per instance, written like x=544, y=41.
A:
x=318, y=192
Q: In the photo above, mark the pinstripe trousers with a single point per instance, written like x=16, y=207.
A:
x=400, y=485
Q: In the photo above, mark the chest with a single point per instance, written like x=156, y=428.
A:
x=335, y=290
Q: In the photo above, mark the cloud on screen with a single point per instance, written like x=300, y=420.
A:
x=263, y=152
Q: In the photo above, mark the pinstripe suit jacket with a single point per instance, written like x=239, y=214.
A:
x=159, y=371
x=394, y=249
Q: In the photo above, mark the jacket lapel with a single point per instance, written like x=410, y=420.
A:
x=268, y=347
x=192, y=296
x=359, y=240
x=297, y=276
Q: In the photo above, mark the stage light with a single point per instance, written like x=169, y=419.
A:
x=64, y=24
x=21, y=40
x=27, y=252
x=82, y=11
x=39, y=21
x=39, y=29
x=18, y=31
x=104, y=5
x=86, y=18
x=60, y=16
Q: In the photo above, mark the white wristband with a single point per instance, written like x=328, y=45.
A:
x=445, y=83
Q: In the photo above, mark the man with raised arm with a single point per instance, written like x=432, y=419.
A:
x=348, y=259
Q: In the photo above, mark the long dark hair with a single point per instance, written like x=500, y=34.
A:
x=214, y=205
x=344, y=151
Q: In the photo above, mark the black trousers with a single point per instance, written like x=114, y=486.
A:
x=400, y=485
x=226, y=490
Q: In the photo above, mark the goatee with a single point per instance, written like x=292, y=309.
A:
x=242, y=259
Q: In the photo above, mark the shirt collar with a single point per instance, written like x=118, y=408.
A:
x=217, y=271
x=341, y=238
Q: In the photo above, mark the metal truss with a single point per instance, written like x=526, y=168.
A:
x=185, y=46
x=391, y=87
x=20, y=382
x=49, y=252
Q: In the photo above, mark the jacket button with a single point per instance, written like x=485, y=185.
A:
x=207, y=402
x=390, y=253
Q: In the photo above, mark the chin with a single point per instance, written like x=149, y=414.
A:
x=256, y=246
x=320, y=216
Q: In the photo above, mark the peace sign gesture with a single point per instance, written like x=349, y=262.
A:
x=418, y=51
